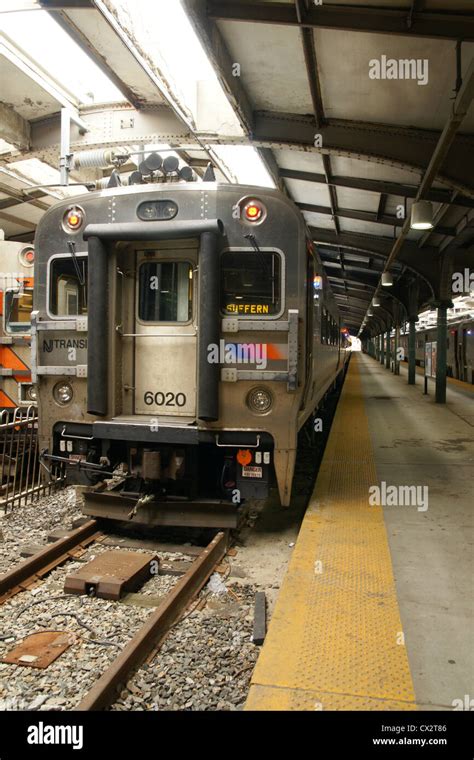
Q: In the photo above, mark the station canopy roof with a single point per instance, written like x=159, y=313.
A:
x=355, y=109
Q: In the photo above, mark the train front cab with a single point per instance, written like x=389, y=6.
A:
x=170, y=311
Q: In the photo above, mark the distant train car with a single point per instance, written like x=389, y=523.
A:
x=460, y=348
x=16, y=301
x=184, y=334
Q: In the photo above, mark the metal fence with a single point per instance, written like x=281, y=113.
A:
x=23, y=478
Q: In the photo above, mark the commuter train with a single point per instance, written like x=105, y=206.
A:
x=460, y=348
x=182, y=336
x=16, y=302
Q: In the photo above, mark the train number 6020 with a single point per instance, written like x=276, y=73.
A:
x=164, y=399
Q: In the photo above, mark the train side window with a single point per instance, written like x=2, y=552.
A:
x=251, y=283
x=17, y=311
x=165, y=291
x=68, y=286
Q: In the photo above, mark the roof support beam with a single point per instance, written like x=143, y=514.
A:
x=17, y=197
x=446, y=139
x=451, y=26
x=381, y=208
x=13, y=128
x=407, y=148
x=16, y=220
x=436, y=195
x=84, y=43
x=221, y=60
x=423, y=266
x=332, y=192
x=223, y=65
x=366, y=216
x=311, y=62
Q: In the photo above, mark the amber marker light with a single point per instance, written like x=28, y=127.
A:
x=253, y=211
x=73, y=219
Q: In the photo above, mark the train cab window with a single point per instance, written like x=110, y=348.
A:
x=251, y=283
x=68, y=286
x=17, y=313
x=165, y=291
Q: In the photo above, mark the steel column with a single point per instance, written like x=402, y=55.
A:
x=396, y=362
x=412, y=351
x=442, y=337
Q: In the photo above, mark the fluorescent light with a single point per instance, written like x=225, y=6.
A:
x=52, y=48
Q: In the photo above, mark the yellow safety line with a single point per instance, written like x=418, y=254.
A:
x=335, y=640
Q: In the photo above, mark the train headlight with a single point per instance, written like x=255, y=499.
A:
x=32, y=393
x=259, y=400
x=62, y=393
x=73, y=219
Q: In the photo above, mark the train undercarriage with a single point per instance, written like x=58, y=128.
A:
x=190, y=478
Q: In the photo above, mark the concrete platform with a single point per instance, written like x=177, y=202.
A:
x=418, y=441
x=375, y=612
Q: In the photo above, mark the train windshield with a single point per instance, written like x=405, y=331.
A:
x=251, y=282
x=165, y=291
x=68, y=286
x=18, y=306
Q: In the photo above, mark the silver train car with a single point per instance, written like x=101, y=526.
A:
x=460, y=348
x=182, y=336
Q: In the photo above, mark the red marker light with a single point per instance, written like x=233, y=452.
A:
x=27, y=256
x=253, y=211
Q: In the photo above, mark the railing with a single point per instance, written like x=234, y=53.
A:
x=23, y=478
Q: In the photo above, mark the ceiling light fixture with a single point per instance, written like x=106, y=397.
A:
x=422, y=215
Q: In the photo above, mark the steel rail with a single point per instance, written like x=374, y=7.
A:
x=104, y=691
x=46, y=559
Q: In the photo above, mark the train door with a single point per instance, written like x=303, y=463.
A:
x=165, y=334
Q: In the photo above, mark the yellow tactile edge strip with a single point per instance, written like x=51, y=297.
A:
x=335, y=640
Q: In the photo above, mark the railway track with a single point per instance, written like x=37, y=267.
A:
x=147, y=638
x=140, y=638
